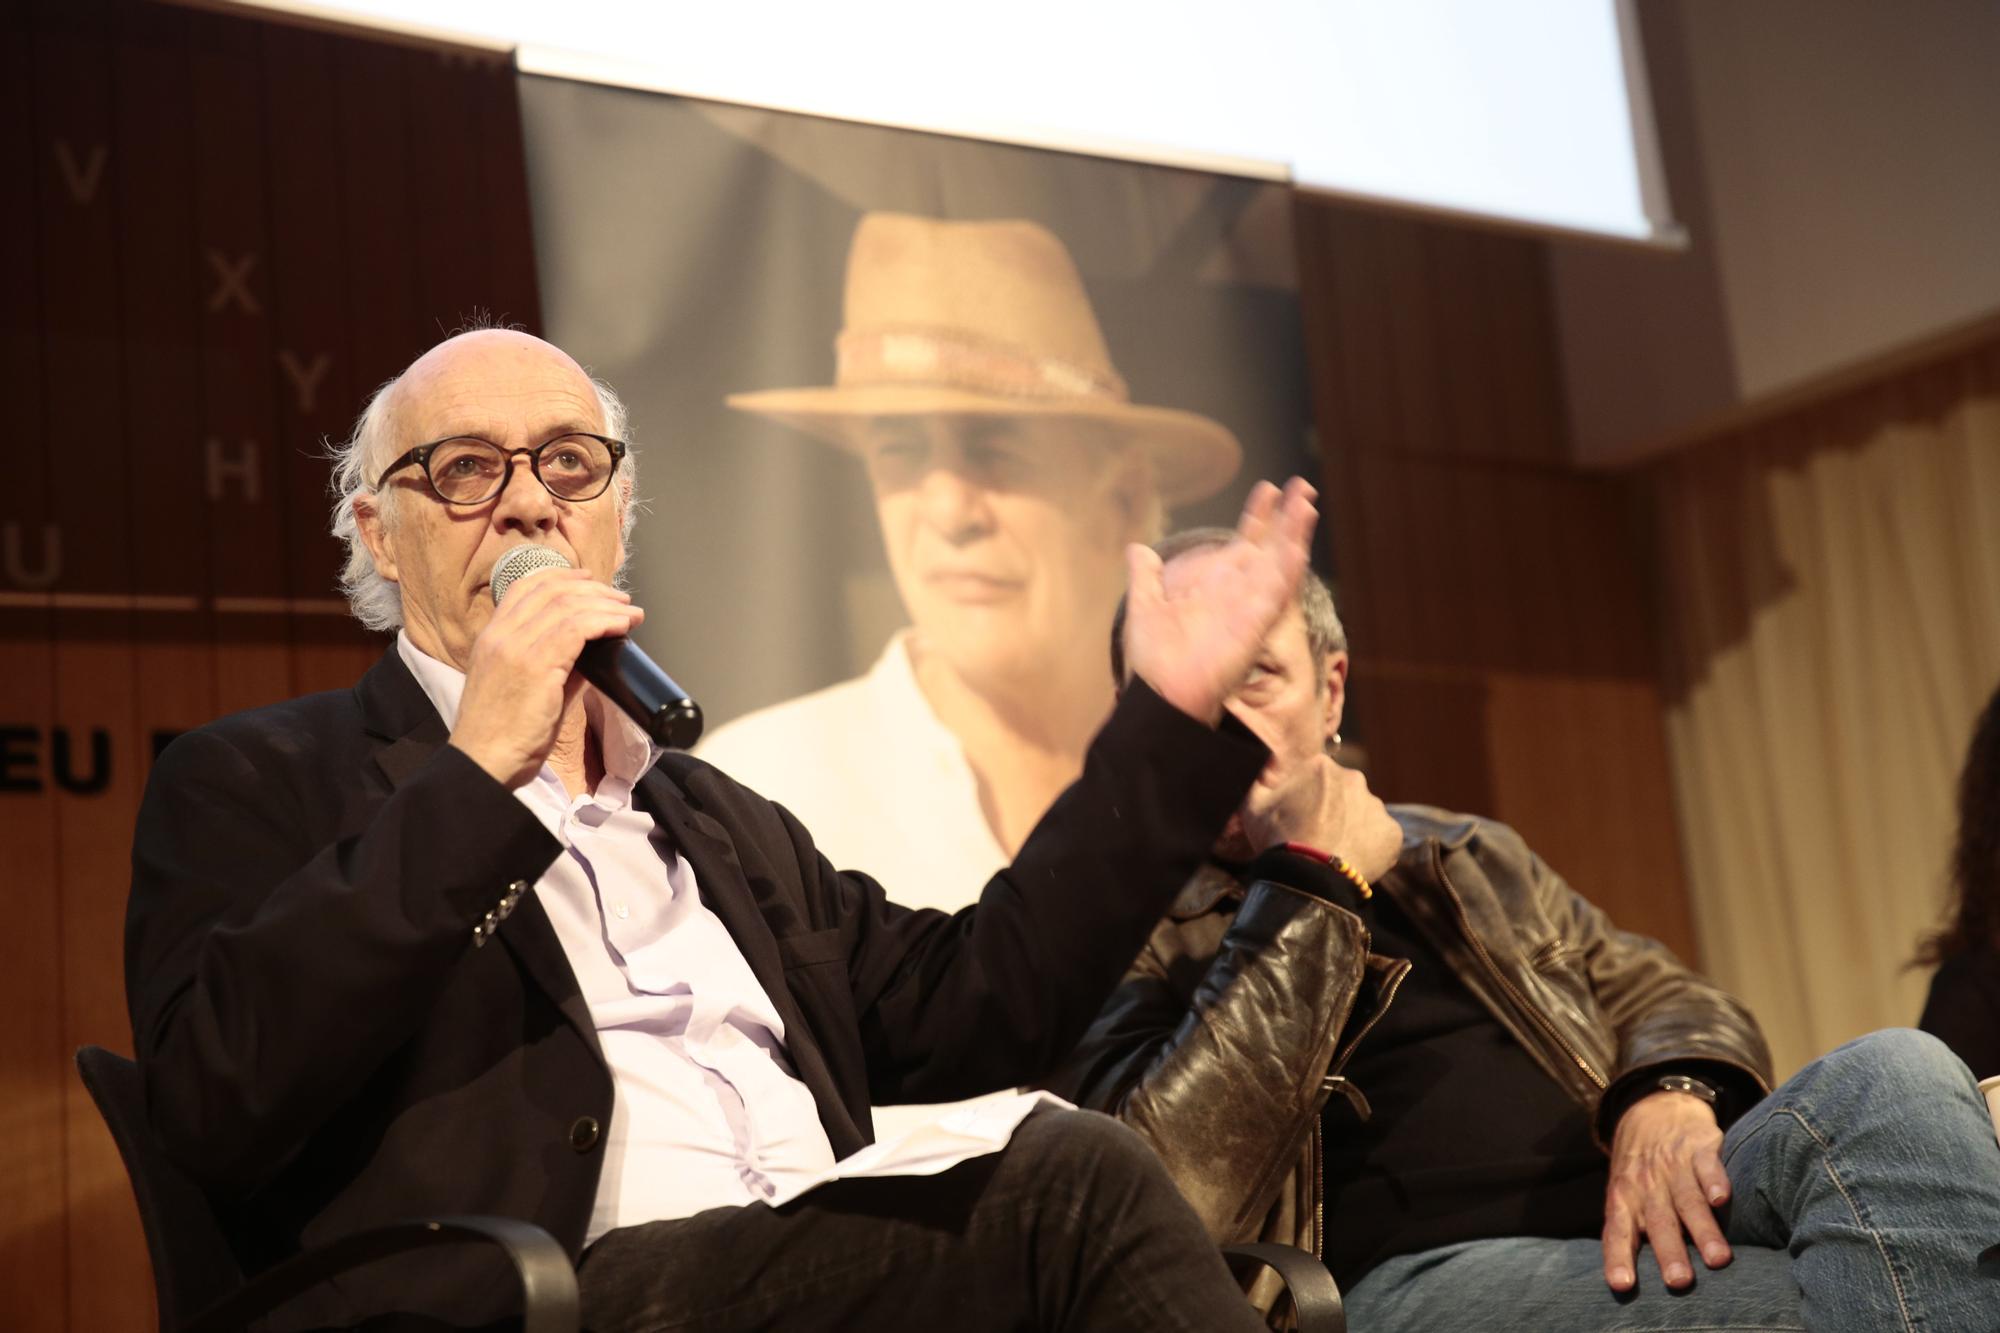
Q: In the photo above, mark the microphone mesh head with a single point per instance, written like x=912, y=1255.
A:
x=517, y=562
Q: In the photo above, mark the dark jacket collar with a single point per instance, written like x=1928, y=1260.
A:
x=394, y=708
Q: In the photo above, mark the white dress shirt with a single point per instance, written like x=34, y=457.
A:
x=706, y=1109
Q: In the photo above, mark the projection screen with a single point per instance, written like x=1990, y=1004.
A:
x=1533, y=112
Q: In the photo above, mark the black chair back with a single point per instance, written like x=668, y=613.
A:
x=192, y=1262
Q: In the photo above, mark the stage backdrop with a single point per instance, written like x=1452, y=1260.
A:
x=690, y=250
x=965, y=461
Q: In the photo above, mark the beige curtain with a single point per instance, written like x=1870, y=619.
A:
x=1832, y=591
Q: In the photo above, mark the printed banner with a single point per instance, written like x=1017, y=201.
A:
x=899, y=401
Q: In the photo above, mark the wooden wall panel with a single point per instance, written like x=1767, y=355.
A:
x=501, y=156
x=222, y=231
x=1430, y=337
x=1584, y=777
x=95, y=678
x=243, y=466
x=372, y=195
x=1497, y=598
x=34, y=1242
x=163, y=303
x=169, y=654
x=1475, y=565
x=448, y=246
x=311, y=304
x=1426, y=739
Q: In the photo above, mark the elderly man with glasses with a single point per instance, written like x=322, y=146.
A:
x=463, y=939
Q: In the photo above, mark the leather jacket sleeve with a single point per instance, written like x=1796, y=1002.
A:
x=1662, y=1013
x=1224, y=1069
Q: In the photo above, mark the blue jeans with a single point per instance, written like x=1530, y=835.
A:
x=1864, y=1193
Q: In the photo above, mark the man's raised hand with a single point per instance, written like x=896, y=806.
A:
x=1193, y=628
x=520, y=678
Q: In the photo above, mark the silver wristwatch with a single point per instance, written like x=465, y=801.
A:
x=1693, y=1087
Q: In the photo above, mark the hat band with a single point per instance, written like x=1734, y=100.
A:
x=938, y=359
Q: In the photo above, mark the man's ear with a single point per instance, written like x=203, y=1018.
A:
x=1335, y=683
x=375, y=534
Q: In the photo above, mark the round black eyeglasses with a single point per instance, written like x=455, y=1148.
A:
x=466, y=470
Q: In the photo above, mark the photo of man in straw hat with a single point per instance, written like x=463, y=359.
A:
x=1009, y=468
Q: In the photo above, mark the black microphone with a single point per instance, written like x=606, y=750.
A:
x=618, y=667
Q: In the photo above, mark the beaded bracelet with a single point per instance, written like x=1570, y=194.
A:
x=1339, y=865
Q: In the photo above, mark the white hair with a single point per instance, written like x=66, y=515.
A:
x=357, y=464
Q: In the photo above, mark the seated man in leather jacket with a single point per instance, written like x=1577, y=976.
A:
x=1393, y=1036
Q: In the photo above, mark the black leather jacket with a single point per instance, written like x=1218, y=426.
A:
x=1230, y=1030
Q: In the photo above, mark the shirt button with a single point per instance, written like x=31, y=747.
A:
x=583, y=1133
x=623, y=911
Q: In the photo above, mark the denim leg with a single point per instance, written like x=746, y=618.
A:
x=1876, y=1167
x=1529, y=1285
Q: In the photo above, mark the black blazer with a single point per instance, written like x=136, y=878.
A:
x=325, y=1047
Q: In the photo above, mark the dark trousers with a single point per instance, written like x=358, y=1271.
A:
x=1074, y=1225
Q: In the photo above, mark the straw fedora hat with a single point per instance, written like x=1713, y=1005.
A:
x=984, y=318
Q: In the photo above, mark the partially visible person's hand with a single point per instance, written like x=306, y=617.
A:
x=519, y=680
x=1666, y=1176
x=1194, y=627
x=1319, y=803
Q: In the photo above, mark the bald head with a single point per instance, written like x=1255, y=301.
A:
x=502, y=385
x=477, y=383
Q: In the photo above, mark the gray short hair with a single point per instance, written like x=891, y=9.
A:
x=358, y=461
x=1325, y=635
